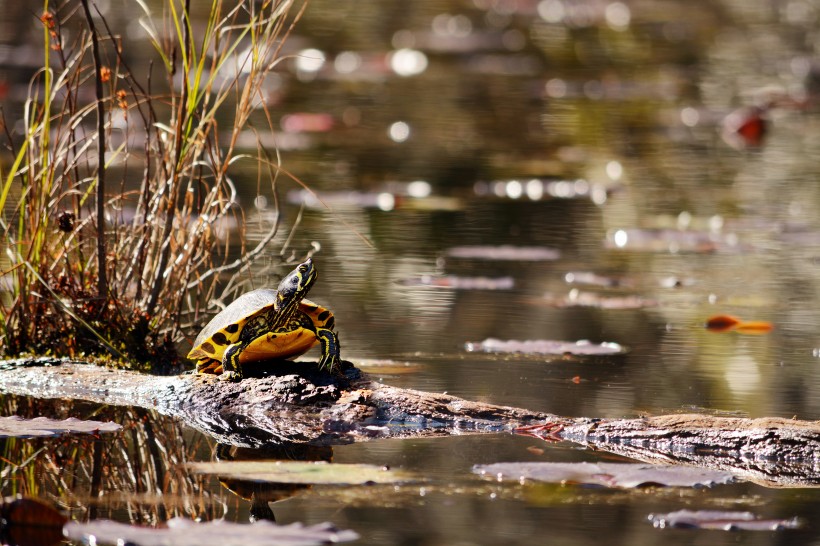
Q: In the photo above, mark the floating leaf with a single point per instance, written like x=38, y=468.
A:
x=536, y=189
x=746, y=127
x=461, y=283
x=387, y=366
x=545, y=346
x=721, y=323
x=576, y=298
x=671, y=240
x=388, y=199
x=28, y=521
x=307, y=122
x=754, y=327
x=588, y=278
x=352, y=199
x=726, y=323
x=505, y=252
x=41, y=426
x=302, y=472
x=607, y=474
x=216, y=533
x=718, y=520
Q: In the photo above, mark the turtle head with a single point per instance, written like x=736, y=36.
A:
x=295, y=286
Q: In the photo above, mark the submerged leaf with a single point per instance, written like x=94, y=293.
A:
x=15, y=426
x=505, y=252
x=718, y=520
x=545, y=346
x=607, y=474
x=302, y=472
x=217, y=533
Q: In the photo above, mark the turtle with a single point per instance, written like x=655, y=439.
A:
x=265, y=324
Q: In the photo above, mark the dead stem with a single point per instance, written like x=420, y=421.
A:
x=181, y=121
x=102, y=279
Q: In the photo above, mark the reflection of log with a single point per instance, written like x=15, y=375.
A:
x=304, y=406
x=299, y=405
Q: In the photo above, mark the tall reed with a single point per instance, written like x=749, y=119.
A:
x=117, y=196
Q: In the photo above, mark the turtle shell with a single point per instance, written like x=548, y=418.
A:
x=225, y=328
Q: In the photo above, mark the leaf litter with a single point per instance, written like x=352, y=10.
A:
x=612, y=475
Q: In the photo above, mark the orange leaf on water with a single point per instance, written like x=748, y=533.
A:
x=754, y=327
x=722, y=323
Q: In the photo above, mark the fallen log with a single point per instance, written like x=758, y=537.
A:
x=302, y=405
x=298, y=405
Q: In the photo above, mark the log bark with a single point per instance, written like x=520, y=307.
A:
x=303, y=405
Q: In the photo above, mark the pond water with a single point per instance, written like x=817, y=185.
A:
x=593, y=129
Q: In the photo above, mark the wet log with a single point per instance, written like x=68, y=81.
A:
x=299, y=404
x=302, y=405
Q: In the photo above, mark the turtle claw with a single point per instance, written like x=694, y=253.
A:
x=331, y=361
x=232, y=377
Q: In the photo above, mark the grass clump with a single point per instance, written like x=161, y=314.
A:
x=116, y=194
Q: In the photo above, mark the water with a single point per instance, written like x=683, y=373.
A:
x=626, y=98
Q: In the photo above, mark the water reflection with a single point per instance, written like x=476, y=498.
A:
x=261, y=494
x=137, y=475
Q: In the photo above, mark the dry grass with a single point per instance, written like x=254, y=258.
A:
x=116, y=198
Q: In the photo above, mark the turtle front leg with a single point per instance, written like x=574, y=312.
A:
x=231, y=371
x=331, y=355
